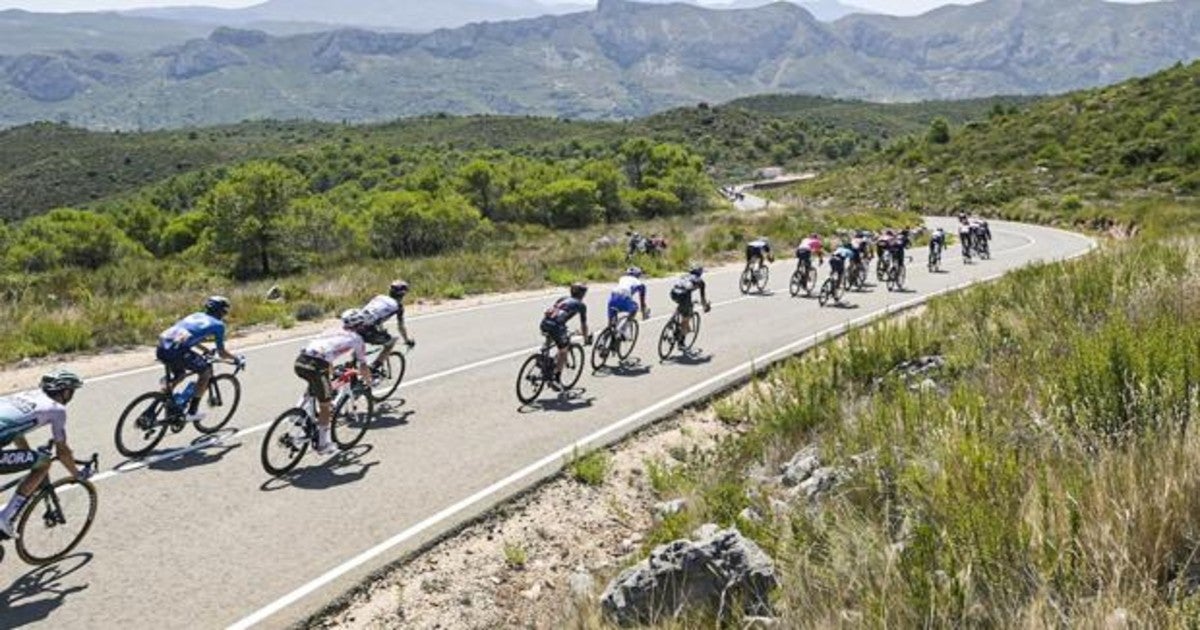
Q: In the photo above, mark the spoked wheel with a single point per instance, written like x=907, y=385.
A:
x=142, y=425
x=530, y=380
x=797, y=283
x=632, y=330
x=746, y=281
x=55, y=520
x=881, y=271
x=985, y=252
x=761, y=278
x=286, y=442
x=573, y=369
x=690, y=341
x=667, y=340
x=390, y=373
x=224, y=394
x=351, y=419
x=603, y=349
x=934, y=261
x=896, y=279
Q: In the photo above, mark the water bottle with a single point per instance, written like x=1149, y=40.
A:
x=182, y=398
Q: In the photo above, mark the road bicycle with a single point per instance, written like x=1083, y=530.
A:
x=146, y=420
x=831, y=290
x=856, y=277
x=386, y=378
x=884, y=267
x=539, y=369
x=935, y=258
x=295, y=430
x=982, y=248
x=616, y=340
x=755, y=276
x=57, y=516
x=896, y=277
x=672, y=336
x=804, y=278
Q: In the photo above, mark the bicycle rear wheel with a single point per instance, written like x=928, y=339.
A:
x=530, y=380
x=286, y=442
x=142, y=425
x=826, y=291
x=390, y=373
x=573, y=369
x=797, y=283
x=632, y=331
x=224, y=394
x=746, y=281
x=602, y=349
x=761, y=278
x=666, y=341
x=693, y=335
x=55, y=520
x=351, y=418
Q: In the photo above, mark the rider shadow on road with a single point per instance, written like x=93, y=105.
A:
x=695, y=357
x=388, y=416
x=846, y=306
x=199, y=455
x=35, y=595
x=565, y=402
x=339, y=470
x=626, y=369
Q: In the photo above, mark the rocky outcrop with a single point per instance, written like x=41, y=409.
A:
x=200, y=57
x=719, y=571
x=240, y=38
x=45, y=78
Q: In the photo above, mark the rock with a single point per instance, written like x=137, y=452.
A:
x=669, y=508
x=822, y=481
x=750, y=515
x=533, y=593
x=1117, y=620
x=25, y=363
x=722, y=571
x=274, y=294
x=749, y=623
x=921, y=365
x=199, y=57
x=604, y=242
x=800, y=466
x=581, y=583
x=42, y=77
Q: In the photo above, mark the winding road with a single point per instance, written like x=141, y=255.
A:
x=203, y=538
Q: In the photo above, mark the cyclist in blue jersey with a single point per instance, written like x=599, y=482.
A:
x=621, y=300
x=23, y=413
x=554, y=327
x=177, y=347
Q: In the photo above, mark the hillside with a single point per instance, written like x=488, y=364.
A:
x=1078, y=156
x=622, y=60
x=45, y=166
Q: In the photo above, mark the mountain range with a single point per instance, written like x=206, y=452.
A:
x=621, y=60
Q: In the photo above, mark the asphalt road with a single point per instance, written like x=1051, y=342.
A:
x=203, y=538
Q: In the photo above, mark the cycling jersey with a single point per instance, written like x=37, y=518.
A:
x=380, y=308
x=837, y=262
x=23, y=413
x=566, y=308
x=938, y=238
x=630, y=286
x=334, y=343
x=757, y=249
x=191, y=331
x=814, y=245
x=621, y=299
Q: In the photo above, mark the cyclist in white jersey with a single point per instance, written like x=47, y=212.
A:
x=315, y=366
x=378, y=311
x=23, y=413
x=621, y=299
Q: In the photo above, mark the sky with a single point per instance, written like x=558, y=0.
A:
x=898, y=7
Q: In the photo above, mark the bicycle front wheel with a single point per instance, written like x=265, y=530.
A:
x=286, y=442
x=224, y=394
x=666, y=341
x=351, y=418
x=573, y=369
x=142, y=425
x=797, y=283
x=632, y=330
x=694, y=334
x=530, y=380
x=746, y=281
x=55, y=520
x=391, y=372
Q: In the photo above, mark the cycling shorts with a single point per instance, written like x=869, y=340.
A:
x=557, y=332
x=20, y=460
x=181, y=361
x=618, y=303
x=837, y=264
x=315, y=372
x=683, y=299
x=377, y=335
x=804, y=256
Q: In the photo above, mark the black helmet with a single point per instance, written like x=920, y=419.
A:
x=696, y=270
x=578, y=290
x=217, y=306
x=60, y=380
x=398, y=290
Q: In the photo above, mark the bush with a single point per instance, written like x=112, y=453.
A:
x=590, y=469
x=420, y=224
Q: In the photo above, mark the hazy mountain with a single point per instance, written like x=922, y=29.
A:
x=621, y=60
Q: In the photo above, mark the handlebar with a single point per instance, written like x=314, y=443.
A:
x=87, y=467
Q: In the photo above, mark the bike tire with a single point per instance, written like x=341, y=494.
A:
x=531, y=375
x=48, y=503
x=796, y=284
x=746, y=281
x=351, y=420
x=151, y=434
x=826, y=292
x=690, y=341
x=626, y=347
x=290, y=433
x=762, y=279
x=602, y=349
x=666, y=341
x=573, y=369
x=221, y=389
x=394, y=366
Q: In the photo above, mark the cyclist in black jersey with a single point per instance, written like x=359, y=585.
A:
x=554, y=326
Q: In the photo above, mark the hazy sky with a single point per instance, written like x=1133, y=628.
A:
x=900, y=7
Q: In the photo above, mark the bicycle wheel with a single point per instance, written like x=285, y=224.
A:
x=142, y=425
x=746, y=281
x=797, y=283
x=694, y=334
x=602, y=349
x=351, y=418
x=224, y=394
x=55, y=520
x=286, y=442
x=530, y=380
x=838, y=292
x=573, y=369
x=810, y=281
x=666, y=341
x=390, y=373
x=826, y=291
x=761, y=278
x=632, y=331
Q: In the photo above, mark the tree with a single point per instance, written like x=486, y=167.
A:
x=939, y=131
x=570, y=203
x=635, y=154
x=606, y=175
x=247, y=208
x=480, y=184
x=416, y=223
x=68, y=238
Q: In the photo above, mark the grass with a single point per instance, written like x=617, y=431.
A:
x=1051, y=479
x=590, y=469
x=515, y=556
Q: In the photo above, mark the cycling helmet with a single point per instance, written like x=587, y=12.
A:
x=398, y=290
x=636, y=272
x=814, y=235
x=60, y=380
x=578, y=290
x=696, y=270
x=353, y=319
x=217, y=306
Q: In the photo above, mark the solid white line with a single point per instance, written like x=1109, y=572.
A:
x=558, y=456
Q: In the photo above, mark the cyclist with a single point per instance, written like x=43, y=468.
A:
x=981, y=234
x=681, y=294
x=964, y=234
x=937, y=243
x=758, y=251
x=897, y=247
x=378, y=311
x=23, y=413
x=315, y=367
x=177, y=347
x=809, y=247
x=621, y=299
x=554, y=327
x=837, y=261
